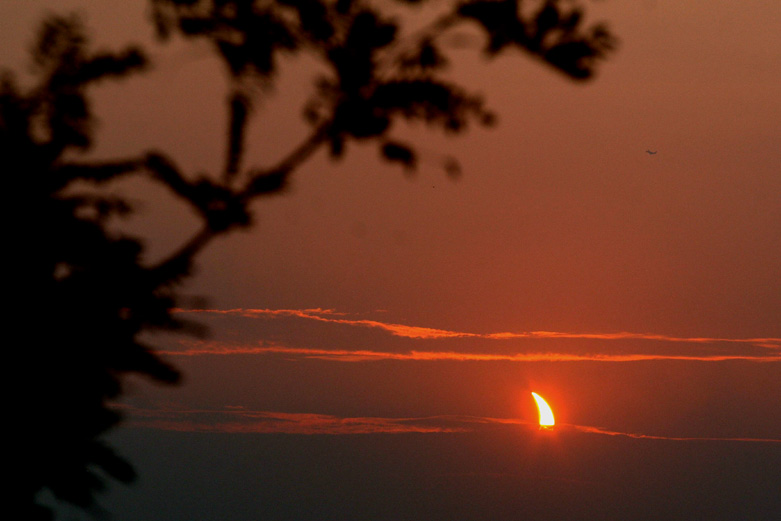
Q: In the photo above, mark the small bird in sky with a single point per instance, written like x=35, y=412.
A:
x=651, y=152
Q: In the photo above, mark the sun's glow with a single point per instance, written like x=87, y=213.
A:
x=546, y=414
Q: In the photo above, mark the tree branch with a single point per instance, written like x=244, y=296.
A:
x=239, y=107
x=273, y=179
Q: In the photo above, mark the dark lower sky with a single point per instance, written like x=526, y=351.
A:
x=494, y=472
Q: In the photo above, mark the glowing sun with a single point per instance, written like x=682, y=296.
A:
x=546, y=414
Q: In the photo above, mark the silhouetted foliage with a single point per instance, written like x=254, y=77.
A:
x=85, y=294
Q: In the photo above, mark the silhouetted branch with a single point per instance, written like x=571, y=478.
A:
x=98, y=171
x=273, y=179
x=178, y=265
x=239, y=107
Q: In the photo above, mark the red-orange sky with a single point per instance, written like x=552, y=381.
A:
x=639, y=294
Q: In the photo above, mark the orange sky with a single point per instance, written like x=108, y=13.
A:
x=640, y=294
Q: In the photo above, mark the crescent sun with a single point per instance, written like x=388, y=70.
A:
x=546, y=414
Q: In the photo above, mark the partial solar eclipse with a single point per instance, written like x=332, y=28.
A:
x=546, y=414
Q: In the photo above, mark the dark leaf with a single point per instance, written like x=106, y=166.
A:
x=500, y=21
x=267, y=183
x=547, y=19
x=434, y=102
x=393, y=151
x=360, y=119
x=106, y=65
x=574, y=58
x=369, y=32
x=314, y=18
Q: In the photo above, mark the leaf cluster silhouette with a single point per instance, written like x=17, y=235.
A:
x=96, y=293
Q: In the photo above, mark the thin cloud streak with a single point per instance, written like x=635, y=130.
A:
x=407, y=331
x=326, y=315
x=239, y=420
x=597, y=430
x=364, y=355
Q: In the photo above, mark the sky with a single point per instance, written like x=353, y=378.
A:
x=375, y=337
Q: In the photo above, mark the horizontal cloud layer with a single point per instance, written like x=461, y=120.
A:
x=361, y=355
x=625, y=346
x=240, y=420
x=418, y=332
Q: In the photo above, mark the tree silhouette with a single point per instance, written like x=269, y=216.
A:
x=97, y=295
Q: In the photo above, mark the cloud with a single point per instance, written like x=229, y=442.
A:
x=418, y=332
x=328, y=315
x=597, y=430
x=363, y=355
x=239, y=420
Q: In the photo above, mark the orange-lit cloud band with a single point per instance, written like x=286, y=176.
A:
x=362, y=355
x=402, y=330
